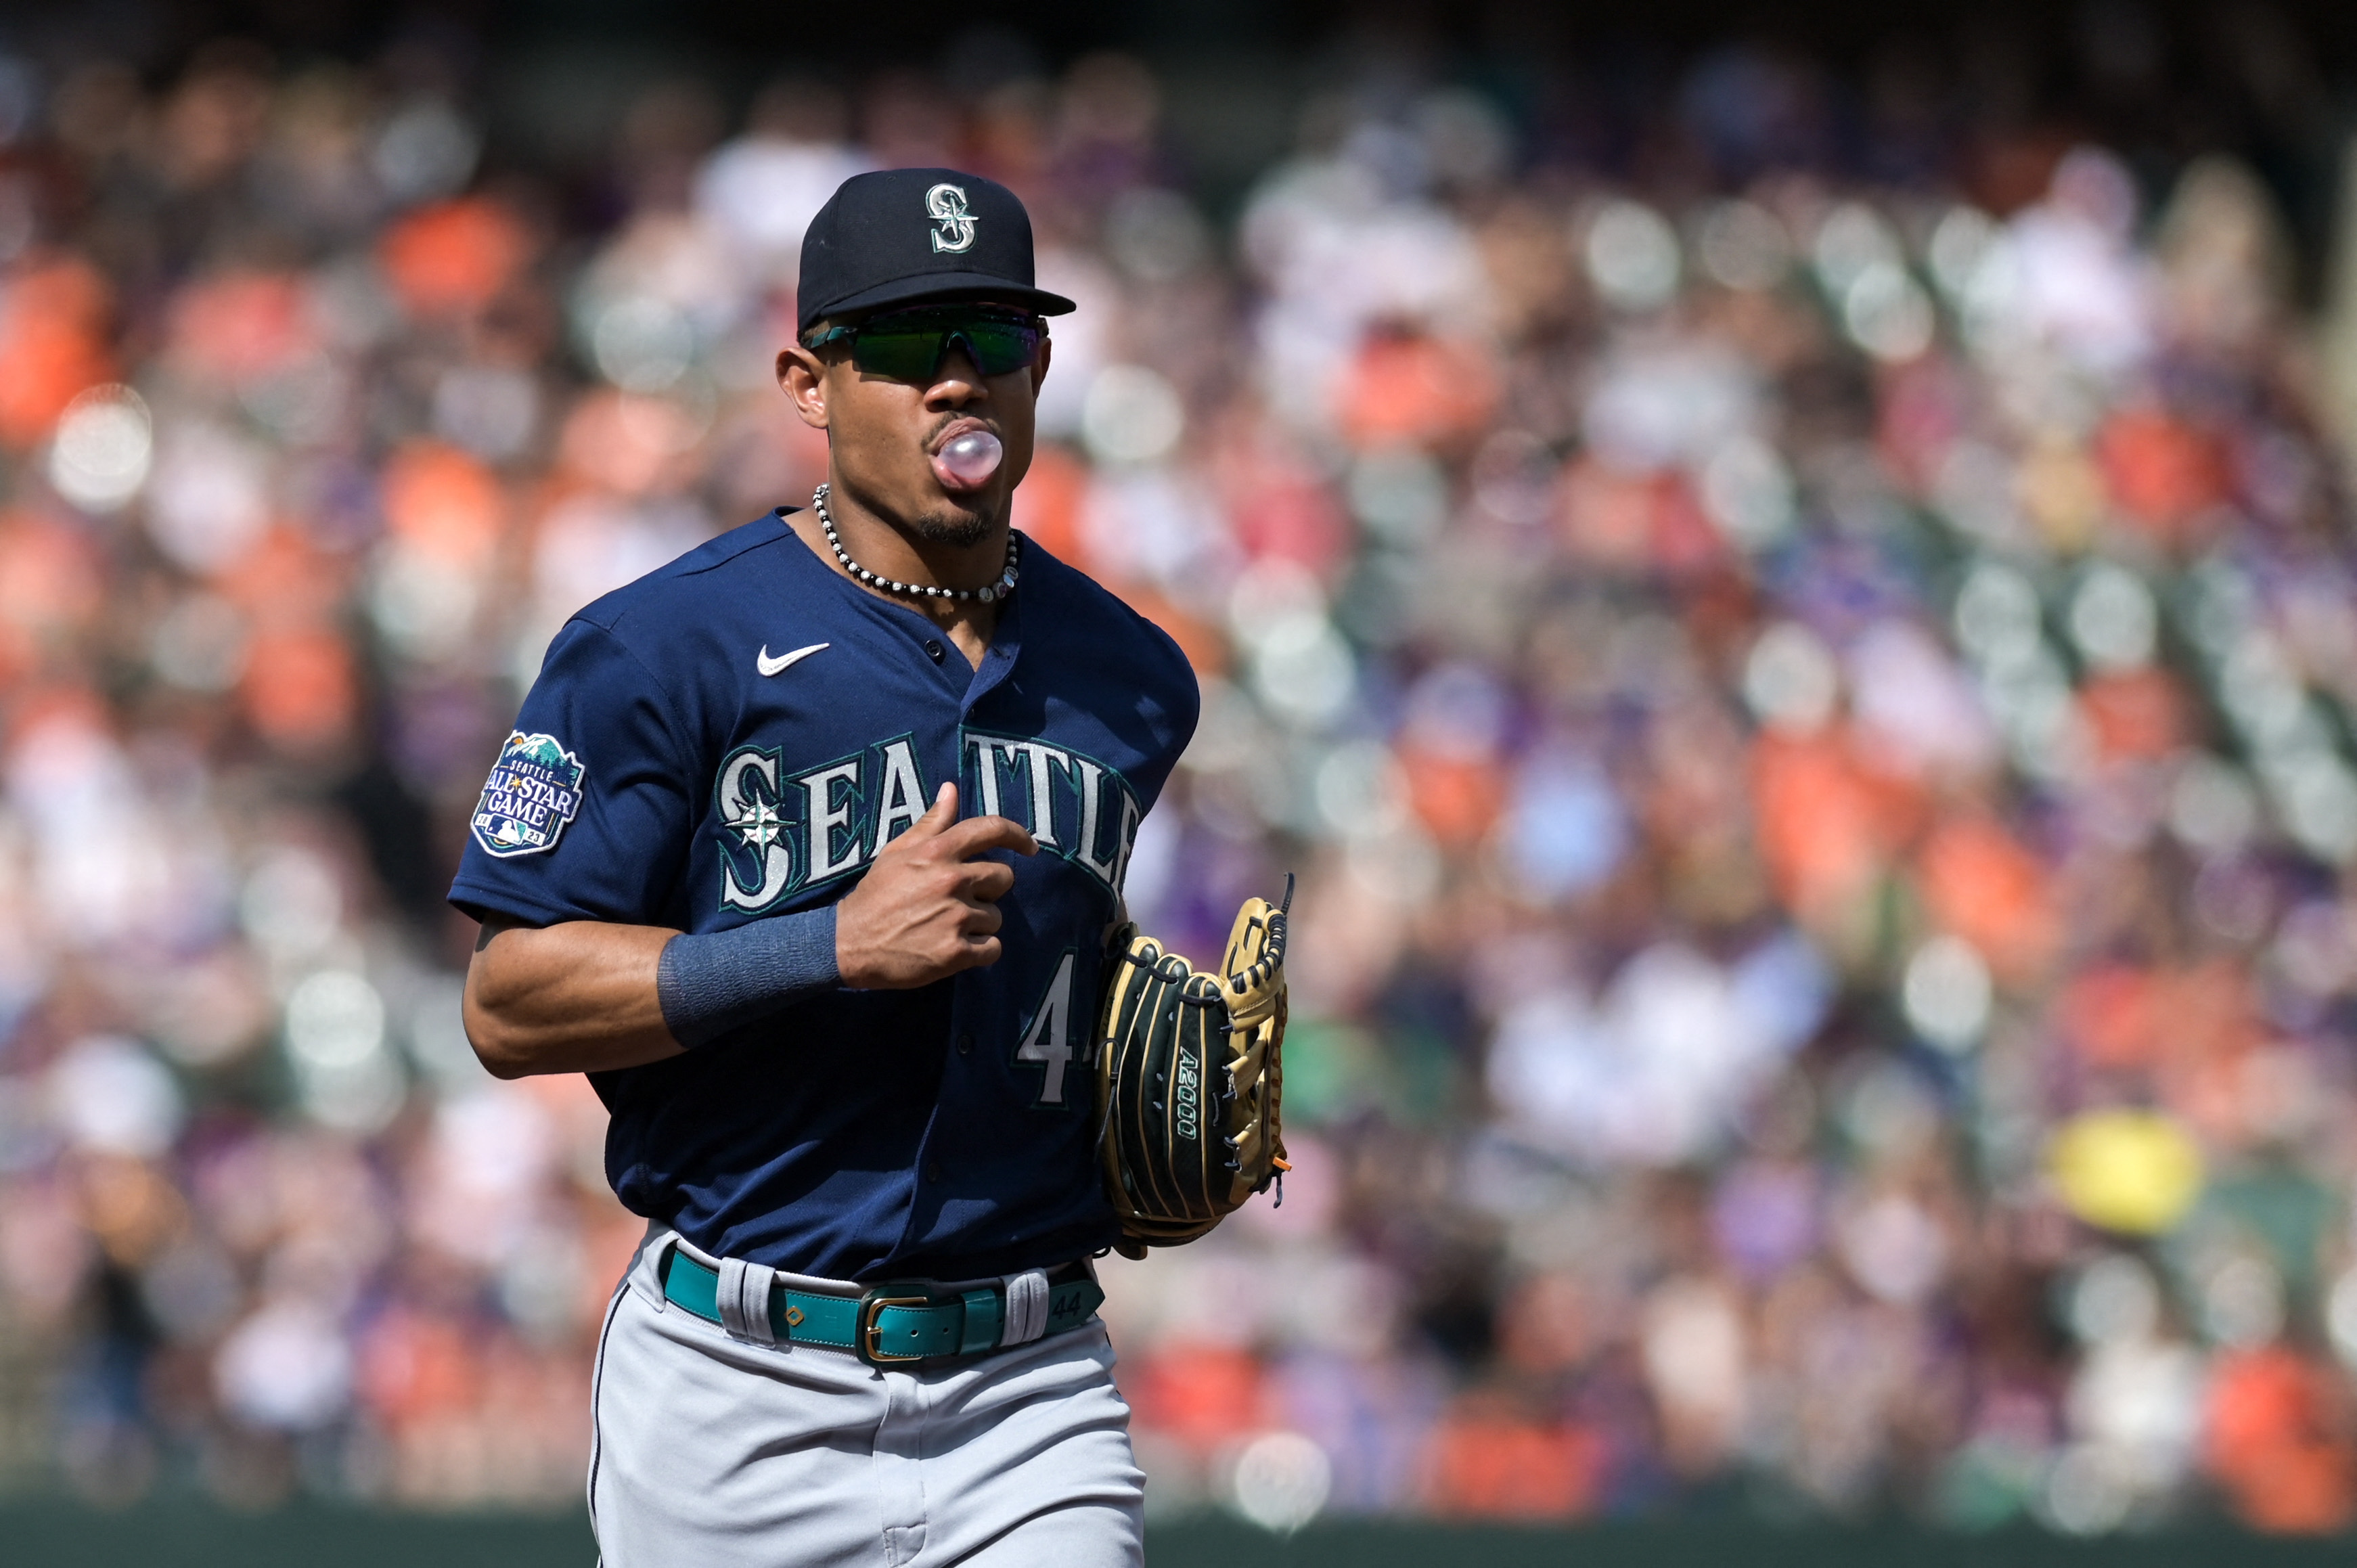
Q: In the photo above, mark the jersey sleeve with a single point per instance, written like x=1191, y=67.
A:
x=1170, y=700
x=588, y=809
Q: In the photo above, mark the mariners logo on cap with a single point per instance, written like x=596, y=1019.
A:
x=953, y=225
x=535, y=790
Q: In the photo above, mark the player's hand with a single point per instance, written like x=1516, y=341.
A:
x=928, y=907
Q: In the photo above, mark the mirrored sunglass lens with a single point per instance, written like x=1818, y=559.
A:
x=1001, y=346
x=904, y=355
x=913, y=351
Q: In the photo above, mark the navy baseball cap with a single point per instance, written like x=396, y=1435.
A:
x=902, y=235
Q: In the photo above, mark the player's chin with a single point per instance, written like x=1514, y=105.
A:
x=956, y=521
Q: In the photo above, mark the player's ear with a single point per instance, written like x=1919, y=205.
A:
x=801, y=374
x=1039, y=365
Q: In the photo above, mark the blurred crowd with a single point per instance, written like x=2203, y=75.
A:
x=1810, y=693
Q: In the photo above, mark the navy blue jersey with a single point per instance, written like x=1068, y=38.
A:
x=732, y=737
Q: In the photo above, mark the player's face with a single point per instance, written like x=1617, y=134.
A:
x=883, y=432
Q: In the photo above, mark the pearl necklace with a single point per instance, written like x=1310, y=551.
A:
x=998, y=590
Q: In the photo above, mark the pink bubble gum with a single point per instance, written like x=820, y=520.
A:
x=967, y=463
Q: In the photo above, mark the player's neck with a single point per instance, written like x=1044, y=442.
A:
x=901, y=552
x=916, y=551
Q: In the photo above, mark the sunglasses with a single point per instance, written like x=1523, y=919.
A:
x=909, y=344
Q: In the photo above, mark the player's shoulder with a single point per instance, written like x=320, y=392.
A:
x=1110, y=657
x=725, y=581
x=1116, y=638
x=705, y=577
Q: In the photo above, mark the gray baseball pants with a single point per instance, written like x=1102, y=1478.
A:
x=711, y=1452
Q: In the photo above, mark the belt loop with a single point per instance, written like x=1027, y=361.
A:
x=1027, y=1307
x=665, y=1250
x=744, y=1301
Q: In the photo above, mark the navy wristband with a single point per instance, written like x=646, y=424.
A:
x=721, y=981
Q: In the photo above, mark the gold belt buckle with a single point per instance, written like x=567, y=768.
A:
x=872, y=1304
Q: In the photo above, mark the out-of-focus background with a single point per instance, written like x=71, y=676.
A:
x=1784, y=582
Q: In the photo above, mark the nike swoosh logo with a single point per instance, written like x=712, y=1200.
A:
x=770, y=666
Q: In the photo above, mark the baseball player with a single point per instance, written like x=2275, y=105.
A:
x=806, y=848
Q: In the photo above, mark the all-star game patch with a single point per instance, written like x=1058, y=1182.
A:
x=533, y=791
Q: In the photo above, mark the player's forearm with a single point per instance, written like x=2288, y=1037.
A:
x=580, y=996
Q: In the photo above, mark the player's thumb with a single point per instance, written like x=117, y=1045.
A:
x=939, y=817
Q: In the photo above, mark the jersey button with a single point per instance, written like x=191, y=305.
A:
x=933, y=649
x=933, y=1172
x=966, y=1045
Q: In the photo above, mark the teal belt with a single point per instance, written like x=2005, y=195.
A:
x=899, y=1321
